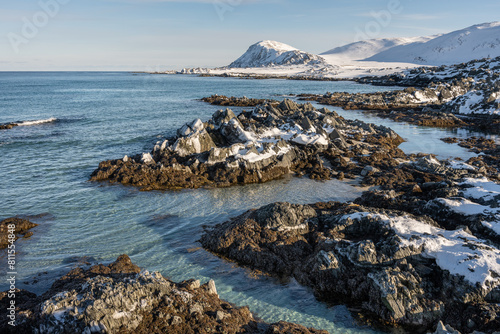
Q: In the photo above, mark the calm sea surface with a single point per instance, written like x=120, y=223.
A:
x=44, y=171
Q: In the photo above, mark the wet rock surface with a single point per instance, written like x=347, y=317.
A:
x=221, y=100
x=7, y=126
x=419, y=107
x=255, y=146
x=400, y=269
x=120, y=298
x=16, y=227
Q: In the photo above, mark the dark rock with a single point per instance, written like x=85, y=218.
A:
x=119, y=298
x=221, y=100
x=355, y=255
x=256, y=146
x=18, y=227
x=7, y=126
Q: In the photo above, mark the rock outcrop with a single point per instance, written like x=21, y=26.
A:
x=120, y=298
x=415, y=106
x=221, y=100
x=7, y=126
x=254, y=146
x=15, y=228
x=454, y=193
x=401, y=270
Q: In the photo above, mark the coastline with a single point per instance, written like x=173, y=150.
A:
x=371, y=172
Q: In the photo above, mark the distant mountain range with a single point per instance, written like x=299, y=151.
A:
x=475, y=42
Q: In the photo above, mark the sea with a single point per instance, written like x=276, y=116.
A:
x=70, y=121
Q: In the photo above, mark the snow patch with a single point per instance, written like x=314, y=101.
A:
x=460, y=165
x=481, y=189
x=457, y=251
x=464, y=206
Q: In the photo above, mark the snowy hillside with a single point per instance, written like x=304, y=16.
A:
x=376, y=57
x=476, y=42
x=368, y=48
x=271, y=53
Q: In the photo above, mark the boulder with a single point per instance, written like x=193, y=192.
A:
x=121, y=298
x=196, y=142
x=284, y=216
x=16, y=227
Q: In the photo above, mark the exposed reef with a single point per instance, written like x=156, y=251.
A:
x=420, y=248
x=255, y=146
x=122, y=298
x=399, y=269
x=14, y=228
x=7, y=126
x=221, y=100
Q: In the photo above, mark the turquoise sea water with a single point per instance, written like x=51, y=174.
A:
x=44, y=171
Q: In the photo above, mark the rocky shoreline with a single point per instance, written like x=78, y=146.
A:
x=297, y=77
x=381, y=261
x=487, y=149
x=463, y=95
x=122, y=298
x=418, y=250
x=256, y=146
x=397, y=105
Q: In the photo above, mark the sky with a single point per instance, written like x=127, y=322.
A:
x=149, y=35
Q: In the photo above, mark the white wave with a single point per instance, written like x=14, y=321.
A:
x=36, y=122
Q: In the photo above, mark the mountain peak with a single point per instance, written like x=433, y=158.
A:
x=271, y=53
x=278, y=46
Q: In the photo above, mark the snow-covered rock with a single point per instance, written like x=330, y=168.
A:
x=271, y=53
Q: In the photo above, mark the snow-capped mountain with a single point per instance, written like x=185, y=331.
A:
x=376, y=57
x=271, y=53
x=368, y=48
x=475, y=42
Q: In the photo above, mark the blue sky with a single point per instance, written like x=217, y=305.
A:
x=171, y=34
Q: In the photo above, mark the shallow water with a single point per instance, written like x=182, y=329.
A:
x=44, y=169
